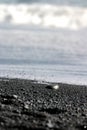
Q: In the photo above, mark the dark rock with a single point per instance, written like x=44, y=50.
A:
x=28, y=105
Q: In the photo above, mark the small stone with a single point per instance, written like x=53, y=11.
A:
x=56, y=86
x=2, y=123
x=49, y=124
x=15, y=96
x=85, y=127
x=26, y=106
x=53, y=87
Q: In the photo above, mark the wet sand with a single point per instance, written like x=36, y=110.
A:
x=30, y=105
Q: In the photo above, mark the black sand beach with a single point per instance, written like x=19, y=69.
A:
x=29, y=105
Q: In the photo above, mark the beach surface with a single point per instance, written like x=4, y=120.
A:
x=33, y=105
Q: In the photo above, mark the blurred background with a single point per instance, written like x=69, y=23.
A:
x=70, y=14
x=45, y=40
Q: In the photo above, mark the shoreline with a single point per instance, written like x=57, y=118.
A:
x=29, y=104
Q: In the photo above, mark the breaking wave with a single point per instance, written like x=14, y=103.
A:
x=44, y=15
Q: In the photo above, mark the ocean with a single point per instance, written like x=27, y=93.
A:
x=44, y=40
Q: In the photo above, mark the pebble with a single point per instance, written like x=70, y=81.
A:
x=15, y=96
x=55, y=87
x=26, y=106
x=49, y=124
x=85, y=127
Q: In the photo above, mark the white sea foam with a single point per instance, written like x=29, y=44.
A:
x=44, y=15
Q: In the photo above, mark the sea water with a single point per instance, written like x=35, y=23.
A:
x=44, y=40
